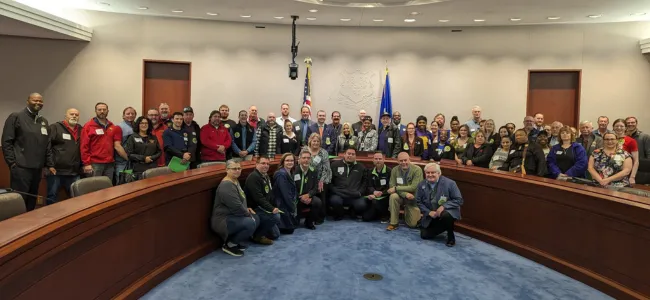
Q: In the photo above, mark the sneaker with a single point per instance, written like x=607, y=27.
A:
x=319, y=222
x=234, y=251
x=263, y=241
x=392, y=227
x=242, y=247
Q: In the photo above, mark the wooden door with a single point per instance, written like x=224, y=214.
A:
x=556, y=94
x=166, y=82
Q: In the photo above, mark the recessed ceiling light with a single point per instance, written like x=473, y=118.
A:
x=279, y=18
x=415, y=13
x=443, y=21
x=311, y=19
x=553, y=18
x=370, y=5
x=515, y=19
x=245, y=16
x=638, y=14
x=143, y=8
x=212, y=14
x=104, y=3
x=409, y=20
x=313, y=10
x=345, y=20
x=177, y=11
x=479, y=20
x=594, y=16
x=378, y=20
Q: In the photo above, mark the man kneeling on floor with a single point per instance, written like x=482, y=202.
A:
x=231, y=218
x=439, y=200
x=404, y=180
x=306, y=178
x=259, y=195
x=348, y=185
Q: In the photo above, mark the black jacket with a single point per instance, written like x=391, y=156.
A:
x=289, y=145
x=263, y=138
x=307, y=183
x=535, y=163
x=258, y=190
x=238, y=139
x=348, y=180
x=138, y=148
x=194, y=133
x=65, y=149
x=447, y=152
x=480, y=157
x=378, y=181
x=391, y=134
x=26, y=141
x=418, y=146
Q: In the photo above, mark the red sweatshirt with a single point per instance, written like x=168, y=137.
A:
x=158, y=132
x=97, y=142
x=211, y=139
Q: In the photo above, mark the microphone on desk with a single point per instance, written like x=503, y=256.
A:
x=39, y=199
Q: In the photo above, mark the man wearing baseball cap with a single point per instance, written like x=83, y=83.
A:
x=194, y=133
x=389, y=138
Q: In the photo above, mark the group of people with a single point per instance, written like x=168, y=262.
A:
x=265, y=208
x=309, y=180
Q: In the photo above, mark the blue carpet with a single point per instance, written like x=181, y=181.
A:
x=329, y=263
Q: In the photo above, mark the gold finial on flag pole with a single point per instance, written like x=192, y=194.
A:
x=308, y=61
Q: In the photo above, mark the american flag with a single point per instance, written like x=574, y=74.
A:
x=306, y=99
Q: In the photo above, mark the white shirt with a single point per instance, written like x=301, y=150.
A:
x=282, y=120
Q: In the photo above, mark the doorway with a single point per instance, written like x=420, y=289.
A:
x=556, y=94
x=166, y=82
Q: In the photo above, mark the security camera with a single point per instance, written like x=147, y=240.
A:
x=293, y=71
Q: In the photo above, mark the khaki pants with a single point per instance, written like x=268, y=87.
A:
x=411, y=210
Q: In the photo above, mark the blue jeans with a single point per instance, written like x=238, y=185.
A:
x=119, y=167
x=54, y=182
x=273, y=220
x=242, y=228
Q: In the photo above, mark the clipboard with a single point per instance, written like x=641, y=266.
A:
x=176, y=165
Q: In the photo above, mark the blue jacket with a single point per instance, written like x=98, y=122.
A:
x=427, y=201
x=578, y=169
x=175, y=143
x=329, y=135
x=285, y=194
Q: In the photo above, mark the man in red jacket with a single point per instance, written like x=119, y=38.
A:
x=215, y=138
x=100, y=138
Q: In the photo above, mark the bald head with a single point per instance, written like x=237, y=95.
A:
x=270, y=118
x=404, y=160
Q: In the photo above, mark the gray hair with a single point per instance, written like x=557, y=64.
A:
x=434, y=166
x=231, y=162
x=588, y=123
x=303, y=151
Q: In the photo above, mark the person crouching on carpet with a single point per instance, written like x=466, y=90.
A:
x=285, y=194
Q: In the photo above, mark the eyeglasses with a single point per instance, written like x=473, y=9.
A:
x=235, y=169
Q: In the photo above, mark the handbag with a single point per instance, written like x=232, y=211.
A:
x=127, y=174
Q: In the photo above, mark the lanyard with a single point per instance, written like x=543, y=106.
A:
x=303, y=180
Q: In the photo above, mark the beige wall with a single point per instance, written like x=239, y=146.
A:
x=432, y=70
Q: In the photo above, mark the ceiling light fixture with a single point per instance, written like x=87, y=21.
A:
x=415, y=13
x=279, y=18
x=177, y=11
x=143, y=8
x=212, y=14
x=311, y=19
x=515, y=19
x=443, y=21
x=638, y=14
x=594, y=16
x=409, y=20
x=479, y=20
x=104, y=3
x=346, y=20
x=553, y=18
x=245, y=16
x=378, y=20
x=313, y=10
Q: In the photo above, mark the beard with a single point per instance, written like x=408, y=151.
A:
x=164, y=116
x=73, y=122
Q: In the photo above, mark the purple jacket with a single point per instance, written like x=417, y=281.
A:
x=578, y=169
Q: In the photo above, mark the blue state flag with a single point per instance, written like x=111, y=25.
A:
x=386, y=103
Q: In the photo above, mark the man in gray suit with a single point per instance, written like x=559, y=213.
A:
x=588, y=139
x=439, y=200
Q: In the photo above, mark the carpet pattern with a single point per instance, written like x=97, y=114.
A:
x=329, y=263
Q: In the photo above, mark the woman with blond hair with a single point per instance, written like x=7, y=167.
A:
x=347, y=138
x=321, y=164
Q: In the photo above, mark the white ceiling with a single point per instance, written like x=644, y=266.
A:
x=365, y=12
x=9, y=26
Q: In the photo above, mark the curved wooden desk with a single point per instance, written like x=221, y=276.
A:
x=123, y=241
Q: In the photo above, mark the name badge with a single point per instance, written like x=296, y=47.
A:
x=327, y=141
x=185, y=139
x=99, y=131
x=382, y=181
x=297, y=128
x=400, y=180
x=558, y=152
x=390, y=140
x=43, y=131
x=193, y=132
x=138, y=140
x=361, y=146
x=296, y=177
x=341, y=170
x=66, y=136
x=317, y=159
x=512, y=151
x=285, y=140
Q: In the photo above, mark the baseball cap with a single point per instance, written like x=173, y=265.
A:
x=188, y=109
x=386, y=114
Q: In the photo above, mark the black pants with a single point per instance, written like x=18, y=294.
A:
x=439, y=225
x=322, y=212
x=26, y=181
x=314, y=210
x=378, y=210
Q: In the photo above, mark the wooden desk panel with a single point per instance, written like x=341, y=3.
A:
x=122, y=241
